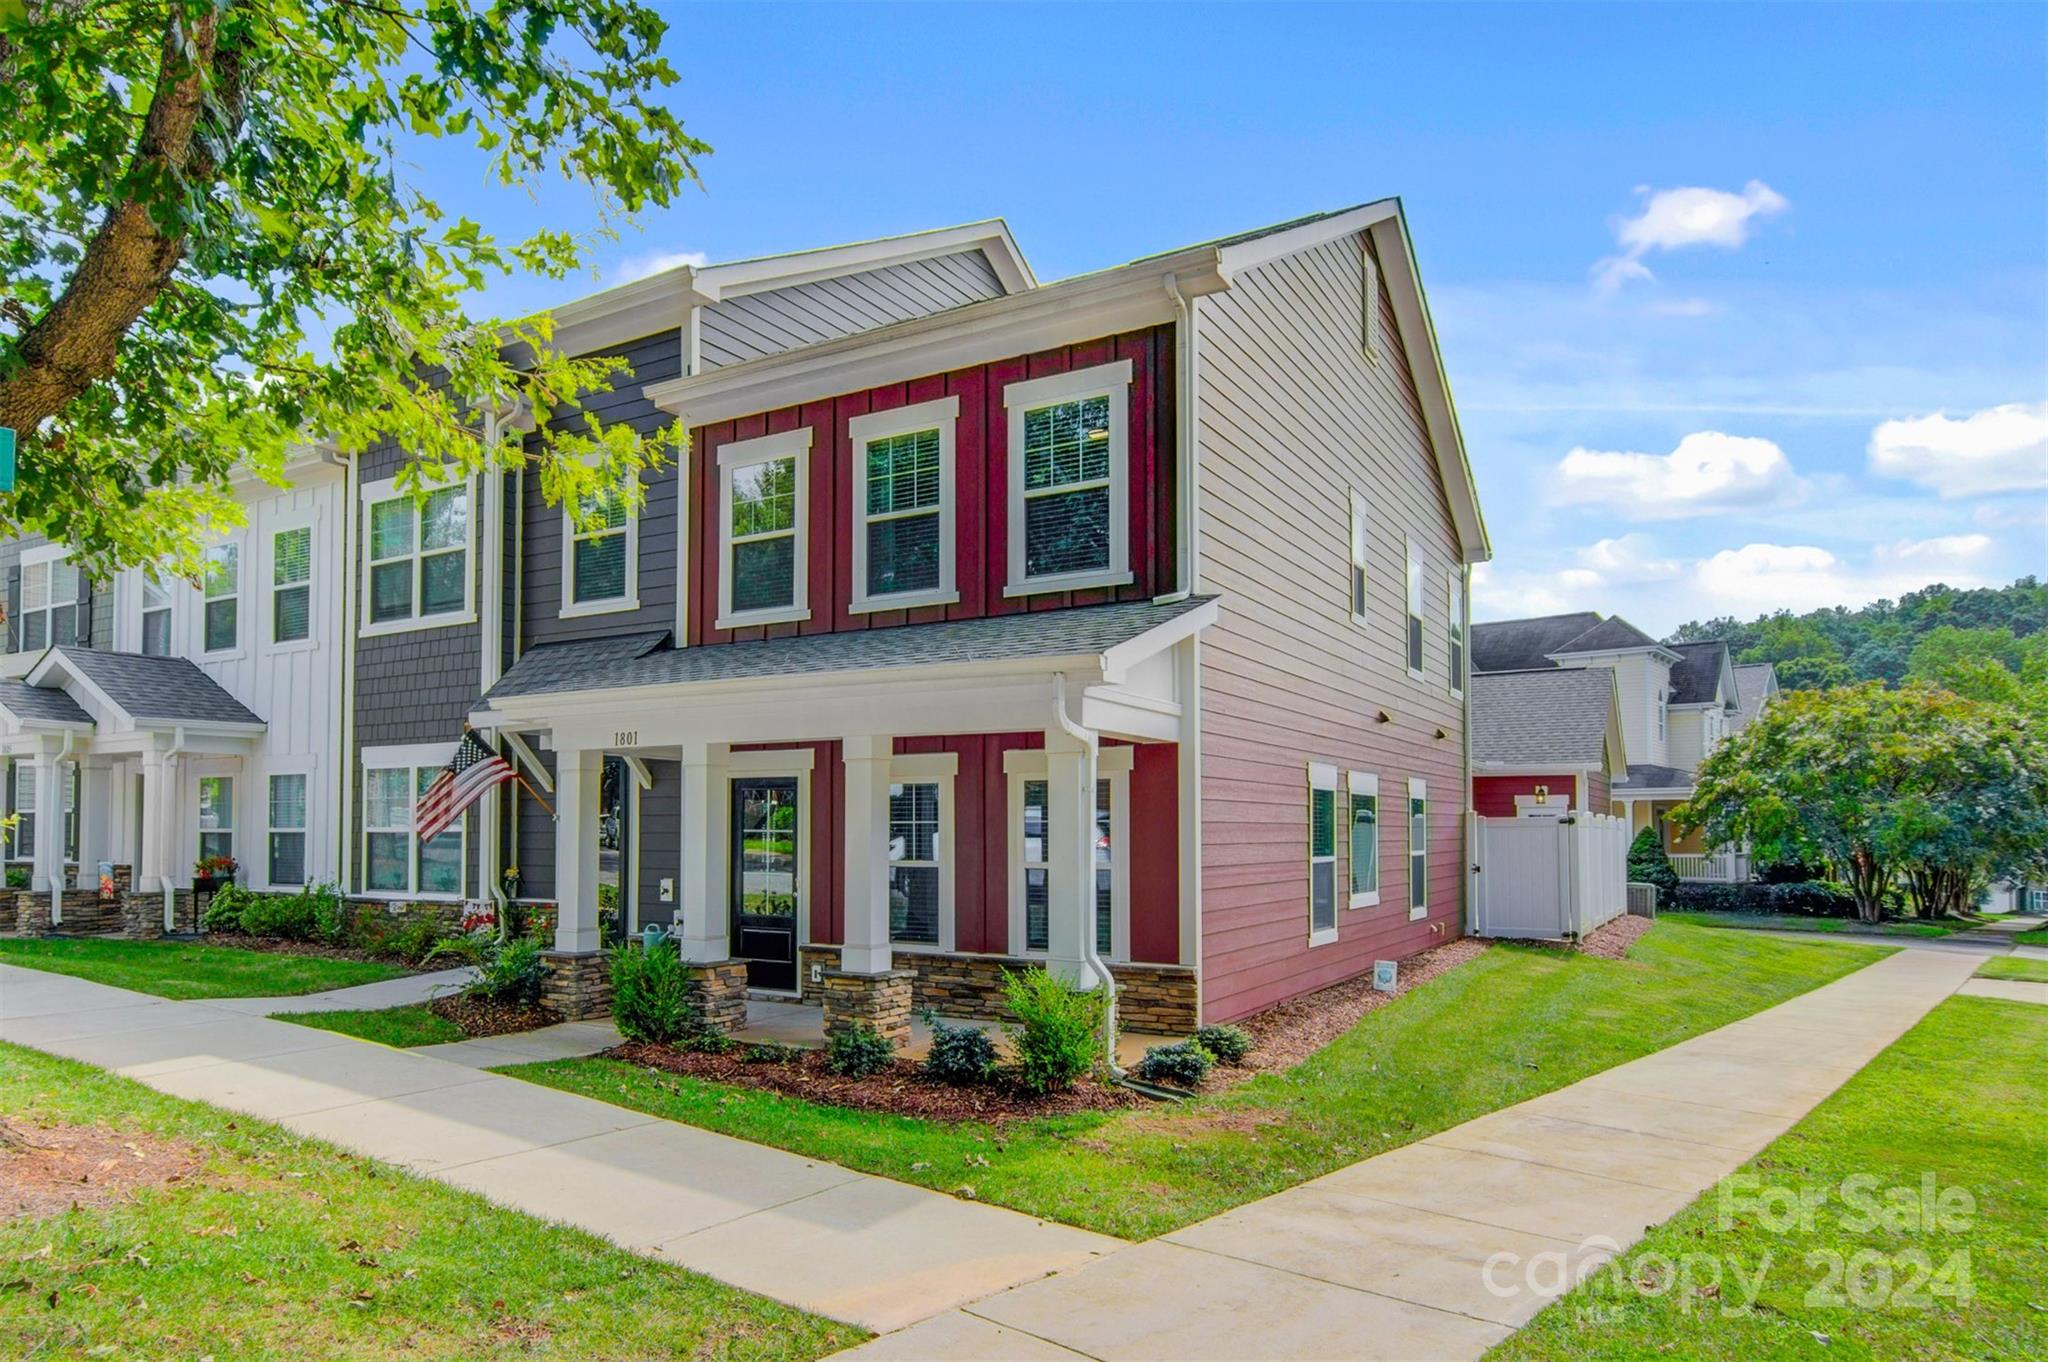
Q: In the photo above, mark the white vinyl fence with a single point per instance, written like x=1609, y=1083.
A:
x=1547, y=878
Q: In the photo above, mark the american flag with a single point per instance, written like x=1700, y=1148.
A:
x=472, y=770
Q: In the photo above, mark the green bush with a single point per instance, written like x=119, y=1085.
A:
x=768, y=1052
x=1812, y=898
x=1648, y=864
x=223, y=912
x=858, y=1050
x=1230, y=1044
x=18, y=877
x=330, y=913
x=960, y=1055
x=651, y=995
x=408, y=935
x=1059, y=1030
x=287, y=916
x=1184, y=1063
x=511, y=973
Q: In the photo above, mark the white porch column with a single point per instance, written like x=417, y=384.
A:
x=95, y=817
x=49, y=848
x=703, y=911
x=152, y=865
x=865, y=949
x=1070, y=826
x=578, y=778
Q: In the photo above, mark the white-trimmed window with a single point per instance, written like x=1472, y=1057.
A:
x=763, y=530
x=392, y=864
x=1454, y=586
x=416, y=572
x=1663, y=714
x=21, y=844
x=601, y=558
x=1363, y=823
x=1032, y=846
x=1322, y=854
x=288, y=828
x=220, y=590
x=1360, y=547
x=903, y=506
x=1069, y=480
x=1414, y=633
x=1418, y=848
x=291, y=585
x=156, y=617
x=49, y=598
x=1369, y=304
x=216, y=816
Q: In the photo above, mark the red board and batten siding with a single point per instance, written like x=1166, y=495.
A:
x=980, y=853
x=981, y=441
x=1494, y=796
x=1294, y=418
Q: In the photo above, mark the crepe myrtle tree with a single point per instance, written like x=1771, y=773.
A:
x=1919, y=784
x=213, y=243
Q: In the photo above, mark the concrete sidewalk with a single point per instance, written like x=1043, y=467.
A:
x=844, y=1244
x=1388, y=1258
x=413, y=988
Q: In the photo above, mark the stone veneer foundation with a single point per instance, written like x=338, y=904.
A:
x=719, y=993
x=1162, y=999
x=579, y=984
x=882, y=1001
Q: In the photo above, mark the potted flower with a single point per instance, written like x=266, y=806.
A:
x=211, y=872
x=510, y=877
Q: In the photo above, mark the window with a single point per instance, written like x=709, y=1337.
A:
x=1454, y=584
x=216, y=816
x=391, y=863
x=418, y=564
x=1069, y=456
x=1032, y=847
x=22, y=846
x=1037, y=864
x=761, y=502
x=1418, y=849
x=221, y=586
x=49, y=599
x=1365, y=839
x=903, y=506
x=602, y=570
x=291, y=585
x=288, y=829
x=1322, y=854
x=1369, y=304
x=914, y=863
x=1663, y=715
x=156, y=618
x=1359, y=545
x=1414, y=611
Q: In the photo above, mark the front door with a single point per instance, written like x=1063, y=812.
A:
x=765, y=871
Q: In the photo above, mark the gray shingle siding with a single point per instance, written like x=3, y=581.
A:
x=101, y=626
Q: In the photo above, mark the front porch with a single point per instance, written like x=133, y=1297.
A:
x=1690, y=855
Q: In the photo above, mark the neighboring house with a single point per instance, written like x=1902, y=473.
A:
x=1114, y=621
x=2013, y=896
x=171, y=720
x=1545, y=741
x=1677, y=702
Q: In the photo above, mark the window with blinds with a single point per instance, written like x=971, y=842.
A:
x=914, y=864
x=1066, y=488
x=1322, y=854
x=221, y=588
x=902, y=513
x=291, y=585
x=600, y=564
x=288, y=829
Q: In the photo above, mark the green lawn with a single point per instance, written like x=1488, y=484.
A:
x=1958, y=1100
x=2036, y=937
x=1513, y=1023
x=288, y=1248
x=185, y=969
x=401, y=1026
x=2011, y=967
x=1772, y=922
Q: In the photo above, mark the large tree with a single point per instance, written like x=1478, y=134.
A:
x=213, y=242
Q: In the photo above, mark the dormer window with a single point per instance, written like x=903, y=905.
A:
x=903, y=506
x=762, y=496
x=1069, y=480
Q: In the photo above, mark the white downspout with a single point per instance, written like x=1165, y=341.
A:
x=1091, y=745
x=57, y=880
x=1187, y=556
x=491, y=632
x=169, y=796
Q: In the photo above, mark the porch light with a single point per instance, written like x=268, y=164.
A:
x=1542, y=794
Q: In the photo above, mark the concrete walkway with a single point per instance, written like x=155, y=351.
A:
x=2011, y=990
x=413, y=988
x=844, y=1244
x=1388, y=1258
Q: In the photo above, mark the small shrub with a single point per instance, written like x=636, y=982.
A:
x=414, y=934
x=512, y=974
x=1230, y=1044
x=1648, y=863
x=329, y=912
x=1184, y=1063
x=223, y=911
x=18, y=877
x=1059, y=1031
x=287, y=916
x=960, y=1055
x=651, y=995
x=768, y=1052
x=858, y=1051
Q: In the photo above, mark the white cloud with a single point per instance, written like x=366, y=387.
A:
x=1707, y=473
x=1629, y=557
x=1512, y=595
x=1757, y=578
x=656, y=262
x=1672, y=219
x=2029, y=516
x=1999, y=449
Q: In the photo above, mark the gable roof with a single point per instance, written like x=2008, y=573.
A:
x=1560, y=716
x=41, y=705
x=1516, y=645
x=152, y=690
x=1697, y=677
x=1611, y=635
x=1755, y=682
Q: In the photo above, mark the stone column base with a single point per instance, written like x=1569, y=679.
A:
x=32, y=911
x=85, y=914
x=879, y=1000
x=142, y=916
x=579, y=984
x=719, y=992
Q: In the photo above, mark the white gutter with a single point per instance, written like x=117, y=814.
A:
x=1186, y=557
x=169, y=793
x=1092, y=746
x=352, y=558
x=57, y=880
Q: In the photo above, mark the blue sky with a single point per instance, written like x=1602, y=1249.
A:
x=1803, y=249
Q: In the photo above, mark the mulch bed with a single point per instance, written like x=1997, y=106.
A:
x=480, y=1017
x=900, y=1090
x=46, y=1170
x=1611, y=942
x=277, y=945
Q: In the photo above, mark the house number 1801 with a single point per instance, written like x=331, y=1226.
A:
x=626, y=737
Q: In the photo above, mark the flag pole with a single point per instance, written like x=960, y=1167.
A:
x=536, y=795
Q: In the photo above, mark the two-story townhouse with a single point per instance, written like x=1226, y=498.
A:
x=183, y=720
x=1116, y=624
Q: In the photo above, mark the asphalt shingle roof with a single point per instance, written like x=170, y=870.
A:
x=1552, y=714
x=168, y=689
x=1612, y=633
x=1644, y=776
x=1753, y=686
x=1519, y=645
x=647, y=659
x=47, y=704
x=1697, y=677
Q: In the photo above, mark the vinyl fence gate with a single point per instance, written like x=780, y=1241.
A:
x=1545, y=878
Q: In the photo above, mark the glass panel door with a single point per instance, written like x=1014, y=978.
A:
x=765, y=879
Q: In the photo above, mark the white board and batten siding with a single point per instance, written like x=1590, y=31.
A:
x=1293, y=418
x=294, y=687
x=751, y=325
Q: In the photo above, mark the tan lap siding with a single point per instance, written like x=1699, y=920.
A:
x=1293, y=419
